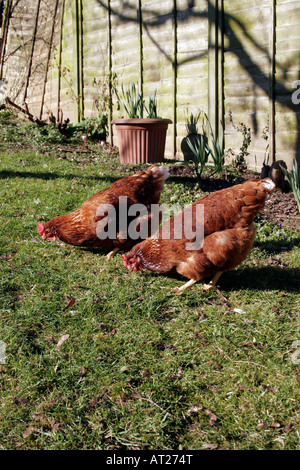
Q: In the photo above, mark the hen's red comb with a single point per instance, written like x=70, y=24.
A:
x=41, y=228
x=125, y=261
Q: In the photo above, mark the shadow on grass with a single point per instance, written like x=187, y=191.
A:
x=5, y=174
x=210, y=184
x=52, y=176
x=273, y=247
x=263, y=278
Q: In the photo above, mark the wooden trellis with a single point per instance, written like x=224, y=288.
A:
x=225, y=58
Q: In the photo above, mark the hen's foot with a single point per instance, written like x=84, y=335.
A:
x=212, y=284
x=207, y=287
x=176, y=290
x=179, y=290
x=112, y=253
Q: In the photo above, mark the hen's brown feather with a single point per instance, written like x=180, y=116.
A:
x=79, y=228
x=228, y=228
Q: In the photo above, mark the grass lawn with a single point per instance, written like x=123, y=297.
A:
x=97, y=357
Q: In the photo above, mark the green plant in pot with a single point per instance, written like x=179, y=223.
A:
x=294, y=180
x=140, y=139
x=197, y=149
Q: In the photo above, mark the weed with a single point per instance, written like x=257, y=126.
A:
x=240, y=160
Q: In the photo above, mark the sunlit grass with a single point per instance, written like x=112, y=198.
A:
x=136, y=359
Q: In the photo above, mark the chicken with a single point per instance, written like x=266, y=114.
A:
x=227, y=230
x=86, y=226
x=275, y=173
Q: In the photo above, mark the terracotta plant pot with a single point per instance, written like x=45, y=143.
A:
x=141, y=140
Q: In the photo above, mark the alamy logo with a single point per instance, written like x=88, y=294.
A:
x=2, y=352
x=296, y=94
x=296, y=354
x=2, y=92
x=138, y=221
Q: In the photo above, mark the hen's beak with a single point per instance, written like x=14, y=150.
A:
x=137, y=266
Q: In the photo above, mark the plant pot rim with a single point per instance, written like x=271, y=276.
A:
x=141, y=121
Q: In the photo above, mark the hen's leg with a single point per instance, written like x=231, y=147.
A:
x=112, y=253
x=179, y=290
x=213, y=282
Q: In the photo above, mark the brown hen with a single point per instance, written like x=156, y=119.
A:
x=81, y=227
x=228, y=235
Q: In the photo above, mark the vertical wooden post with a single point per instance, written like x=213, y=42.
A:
x=32, y=50
x=48, y=59
x=81, y=59
x=272, y=49
x=174, y=65
x=213, y=64
x=77, y=59
x=220, y=33
x=109, y=65
x=140, y=23
x=59, y=117
x=5, y=26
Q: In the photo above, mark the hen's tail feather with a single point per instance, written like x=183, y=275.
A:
x=269, y=184
x=160, y=171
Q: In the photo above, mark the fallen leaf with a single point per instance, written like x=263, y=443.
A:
x=275, y=309
x=203, y=317
x=6, y=256
x=212, y=417
x=73, y=312
x=178, y=375
x=209, y=446
x=194, y=410
x=280, y=440
x=23, y=401
x=275, y=262
x=55, y=427
x=261, y=424
x=238, y=310
x=82, y=371
x=288, y=428
x=94, y=401
x=28, y=432
x=50, y=339
x=268, y=388
x=62, y=340
x=71, y=303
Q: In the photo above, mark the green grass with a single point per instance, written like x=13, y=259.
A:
x=137, y=360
